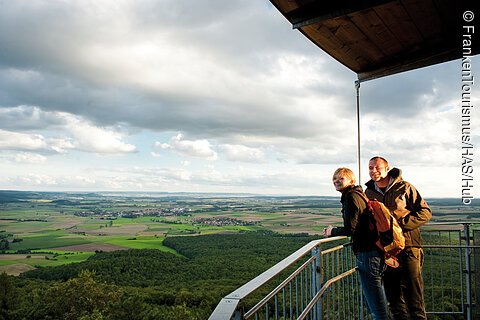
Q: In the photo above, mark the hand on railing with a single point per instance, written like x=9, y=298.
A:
x=327, y=232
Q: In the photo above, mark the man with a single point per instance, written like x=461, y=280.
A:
x=404, y=285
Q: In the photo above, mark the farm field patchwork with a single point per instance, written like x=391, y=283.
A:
x=53, y=229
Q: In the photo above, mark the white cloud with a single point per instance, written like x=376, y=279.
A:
x=23, y=157
x=21, y=141
x=191, y=148
x=70, y=132
x=61, y=145
x=33, y=142
x=90, y=138
x=236, y=152
x=29, y=158
x=432, y=139
x=36, y=180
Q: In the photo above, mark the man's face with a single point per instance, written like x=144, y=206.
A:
x=340, y=182
x=377, y=169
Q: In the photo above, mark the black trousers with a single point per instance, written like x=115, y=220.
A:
x=404, y=286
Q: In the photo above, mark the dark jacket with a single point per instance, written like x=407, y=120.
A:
x=356, y=220
x=406, y=205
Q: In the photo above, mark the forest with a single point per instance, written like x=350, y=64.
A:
x=147, y=283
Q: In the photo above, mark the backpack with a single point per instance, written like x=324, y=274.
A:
x=390, y=238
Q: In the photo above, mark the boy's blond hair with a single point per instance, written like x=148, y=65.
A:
x=345, y=172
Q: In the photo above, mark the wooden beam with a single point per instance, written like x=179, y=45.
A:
x=418, y=60
x=320, y=10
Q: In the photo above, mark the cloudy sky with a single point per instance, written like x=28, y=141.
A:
x=205, y=96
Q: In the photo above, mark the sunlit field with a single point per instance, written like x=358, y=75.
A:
x=66, y=229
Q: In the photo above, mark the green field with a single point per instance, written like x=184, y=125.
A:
x=51, y=229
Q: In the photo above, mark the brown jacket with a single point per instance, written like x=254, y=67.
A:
x=405, y=203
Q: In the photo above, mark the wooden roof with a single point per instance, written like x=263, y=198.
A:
x=375, y=38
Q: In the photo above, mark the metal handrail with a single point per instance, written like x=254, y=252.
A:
x=450, y=247
x=228, y=305
x=261, y=303
x=324, y=288
x=321, y=295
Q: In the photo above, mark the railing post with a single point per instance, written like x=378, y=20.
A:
x=476, y=272
x=362, y=303
x=238, y=315
x=318, y=278
x=468, y=274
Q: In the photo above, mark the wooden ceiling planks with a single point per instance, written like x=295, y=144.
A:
x=329, y=42
x=377, y=32
x=375, y=38
x=405, y=32
x=352, y=36
x=426, y=17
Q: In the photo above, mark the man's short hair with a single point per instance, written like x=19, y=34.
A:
x=381, y=158
x=346, y=173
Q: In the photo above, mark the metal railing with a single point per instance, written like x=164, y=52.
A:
x=448, y=271
x=311, y=272
x=319, y=281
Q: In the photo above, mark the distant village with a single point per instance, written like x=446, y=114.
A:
x=163, y=212
x=157, y=212
x=224, y=221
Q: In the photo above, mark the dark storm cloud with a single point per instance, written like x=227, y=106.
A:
x=48, y=60
x=42, y=62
